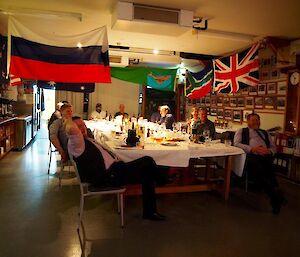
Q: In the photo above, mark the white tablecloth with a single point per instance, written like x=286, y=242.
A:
x=179, y=156
x=173, y=156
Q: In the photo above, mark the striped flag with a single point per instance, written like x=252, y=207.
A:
x=38, y=55
x=237, y=71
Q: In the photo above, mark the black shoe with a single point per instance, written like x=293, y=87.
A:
x=154, y=216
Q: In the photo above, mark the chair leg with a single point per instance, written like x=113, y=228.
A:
x=246, y=182
x=119, y=204
x=81, y=206
x=50, y=159
x=122, y=210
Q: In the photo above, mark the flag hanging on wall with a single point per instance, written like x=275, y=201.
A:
x=236, y=71
x=73, y=87
x=40, y=55
x=157, y=78
x=199, y=88
x=200, y=81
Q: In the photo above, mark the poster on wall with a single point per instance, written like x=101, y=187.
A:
x=249, y=102
x=259, y=102
x=237, y=116
x=220, y=113
x=228, y=114
x=271, y=88
x=253, y=90
x=269, y=103
x=241, y=102
x=281, y=88
x=280, y=102
x=233, y=102
x=261, y=89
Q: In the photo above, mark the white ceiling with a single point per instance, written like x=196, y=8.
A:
x=256, y=17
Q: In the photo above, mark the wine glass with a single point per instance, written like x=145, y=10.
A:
x=206, y=135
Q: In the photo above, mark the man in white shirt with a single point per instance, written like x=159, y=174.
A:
x=98, y=114
x=98, y=166
x=260, y=149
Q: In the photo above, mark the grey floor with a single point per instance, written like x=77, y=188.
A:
x=39, y=219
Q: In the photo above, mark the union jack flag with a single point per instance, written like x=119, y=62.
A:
x=237, y=71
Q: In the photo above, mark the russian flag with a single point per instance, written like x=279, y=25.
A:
x=81, y=58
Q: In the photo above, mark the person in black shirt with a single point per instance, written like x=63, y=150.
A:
x=166, y=117
x=205, y=124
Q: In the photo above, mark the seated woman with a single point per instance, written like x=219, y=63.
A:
x=166, y=117
x=194, y=121
x=99, y=167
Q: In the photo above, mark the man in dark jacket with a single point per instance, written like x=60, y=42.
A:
x=260, y=148
x=98, y=166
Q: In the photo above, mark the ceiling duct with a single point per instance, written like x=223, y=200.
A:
x=151, y=19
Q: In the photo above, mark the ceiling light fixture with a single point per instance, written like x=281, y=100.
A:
x=155, y=51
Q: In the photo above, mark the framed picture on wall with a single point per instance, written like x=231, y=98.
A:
x=226, y=102
x=249, y=102
x=220, y=113
x=220, y=101
x=207, y=101
x=264, y=74
x=241, y=102
x=281, y=88
x=269, y=103
x=261, y=89
x=253, y=90
x=233, y=102
x=213, y=101
x=245, y=114
x=228, y=114
x=213, y=111
x=274, y=74
x=245, y=91
x=237, y=116
x=280, y=102
x=203, y=101
x=271, y=88
x=258, y=102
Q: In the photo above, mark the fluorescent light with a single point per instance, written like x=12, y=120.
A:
x=155, y=51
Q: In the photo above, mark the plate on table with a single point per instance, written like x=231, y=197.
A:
x=169, y=144
x=174, y=139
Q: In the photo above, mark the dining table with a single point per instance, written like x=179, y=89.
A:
x=175, y=152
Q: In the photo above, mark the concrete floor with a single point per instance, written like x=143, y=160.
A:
x=39, y=219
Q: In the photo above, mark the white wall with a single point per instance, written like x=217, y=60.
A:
x=111, y=95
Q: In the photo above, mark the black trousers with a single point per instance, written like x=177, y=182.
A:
x=141, y=171
x=260, y=169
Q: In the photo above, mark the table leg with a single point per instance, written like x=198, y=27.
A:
x=227, y=173
x=207, y=169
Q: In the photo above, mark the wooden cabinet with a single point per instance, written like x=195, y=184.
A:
x=292, y=113
x=7, y=136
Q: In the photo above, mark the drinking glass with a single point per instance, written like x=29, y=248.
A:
x=206, y=135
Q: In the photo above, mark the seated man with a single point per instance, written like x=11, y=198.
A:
x=98, y=114
x=155, y=117
x=166, y=117
x=121, y=111
x=205, y=124
x=57, y=133
x=260, y=148
x=56, y=115
x=98, y=166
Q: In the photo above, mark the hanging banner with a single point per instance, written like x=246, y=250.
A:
x=39, y=55
x=161, y=79
x=237, y=71
x=74, y=87
x=200, y=80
